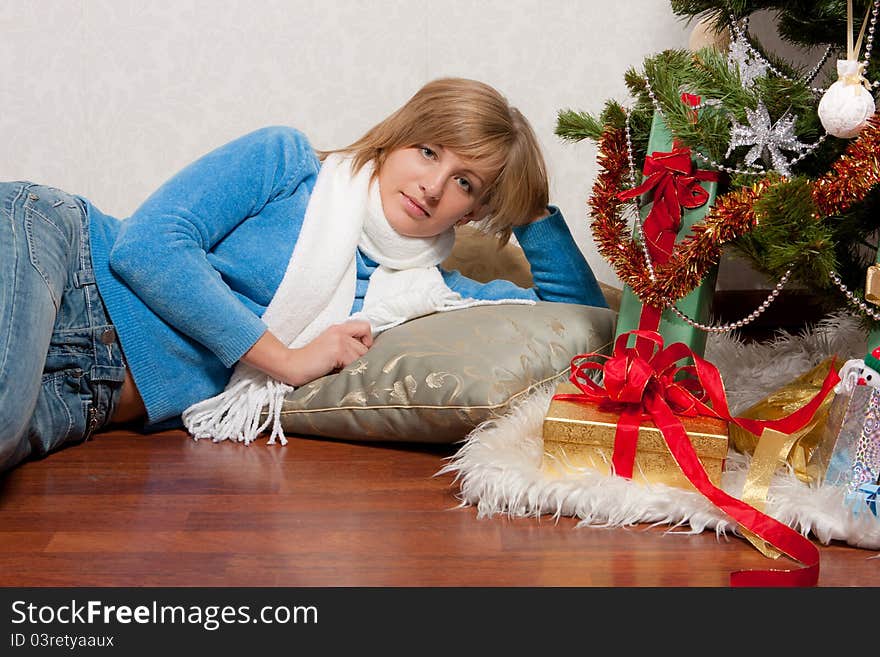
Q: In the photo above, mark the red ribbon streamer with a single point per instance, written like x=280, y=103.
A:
x=644, y=382
x=676, y=185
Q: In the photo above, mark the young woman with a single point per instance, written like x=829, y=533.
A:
x=106, y=321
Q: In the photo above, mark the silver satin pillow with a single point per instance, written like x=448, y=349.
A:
x=433, y=379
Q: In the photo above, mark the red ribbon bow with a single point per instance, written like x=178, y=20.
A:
x=676, y=185
x=645, y=382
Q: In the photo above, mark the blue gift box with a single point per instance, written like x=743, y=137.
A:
x=865, y=497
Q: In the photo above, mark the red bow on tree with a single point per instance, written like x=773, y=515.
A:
x=676, y=185
x=645, y=382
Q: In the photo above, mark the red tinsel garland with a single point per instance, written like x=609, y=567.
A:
x=690, y=260
x=853, y=174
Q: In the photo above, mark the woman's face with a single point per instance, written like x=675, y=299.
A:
x=426, y=189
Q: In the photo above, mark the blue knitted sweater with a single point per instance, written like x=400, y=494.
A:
x=188, y=276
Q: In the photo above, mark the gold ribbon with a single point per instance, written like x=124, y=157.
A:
x=853, y=49
x=772, y=450
x=802, y=450
x=872, y=285
x=857, y=78
x=802, y=454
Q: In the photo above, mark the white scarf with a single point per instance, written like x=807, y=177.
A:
x=318, y=289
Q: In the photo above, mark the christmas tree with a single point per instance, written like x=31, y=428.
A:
x=795, y=147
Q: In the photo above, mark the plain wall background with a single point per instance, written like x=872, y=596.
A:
x=108, y=98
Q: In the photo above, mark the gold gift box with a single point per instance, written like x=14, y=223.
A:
x=578, y=435
x=811, y=453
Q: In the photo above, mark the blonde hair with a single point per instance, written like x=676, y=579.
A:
x=476, y=122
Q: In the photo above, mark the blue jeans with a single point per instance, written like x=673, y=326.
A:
x=61, y=365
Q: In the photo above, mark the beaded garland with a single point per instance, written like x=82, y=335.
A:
x=853, y=174
x=690, y=260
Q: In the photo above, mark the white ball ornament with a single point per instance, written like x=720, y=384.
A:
x=846, y=105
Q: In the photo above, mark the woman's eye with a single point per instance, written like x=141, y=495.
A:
x=464, y=183
x=427, y=152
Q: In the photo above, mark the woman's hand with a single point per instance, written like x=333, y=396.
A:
x=337, y=346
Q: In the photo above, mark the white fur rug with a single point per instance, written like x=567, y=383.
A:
x=498, y=468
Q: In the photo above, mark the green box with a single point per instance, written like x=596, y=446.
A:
x=698, y=302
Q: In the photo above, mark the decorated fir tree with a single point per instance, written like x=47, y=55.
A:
x=794, y=148
x=730, y=146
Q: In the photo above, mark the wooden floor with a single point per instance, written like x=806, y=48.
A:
x=162, y=510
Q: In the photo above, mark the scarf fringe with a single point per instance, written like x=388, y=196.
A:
x=236, y=413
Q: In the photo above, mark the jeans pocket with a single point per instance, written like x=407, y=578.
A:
x=62, y=412
x=53, y=241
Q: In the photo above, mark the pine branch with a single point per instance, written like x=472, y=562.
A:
x=577, y=126
x=671, y=73
x=804, y=23
x=789, y=234
x=703, y=8
x=716, y=78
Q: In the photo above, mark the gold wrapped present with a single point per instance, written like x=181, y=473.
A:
x=810, y=451
x=578, y=435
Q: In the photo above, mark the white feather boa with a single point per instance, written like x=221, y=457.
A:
x=498, y=468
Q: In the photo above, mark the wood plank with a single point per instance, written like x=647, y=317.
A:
x=162, y=510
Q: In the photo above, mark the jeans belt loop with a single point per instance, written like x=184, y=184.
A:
x=84, y=277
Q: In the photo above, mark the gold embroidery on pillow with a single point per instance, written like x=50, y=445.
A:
x=358, y=368
x=557, y=348
x=404, y=390
x=467, y=409
x=388, y=367
x=432, y=380
x=437, y=380
x=312, y=390
x=354, y=397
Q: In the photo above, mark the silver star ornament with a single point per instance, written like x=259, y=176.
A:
x=767, y=139
x=750, y=67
